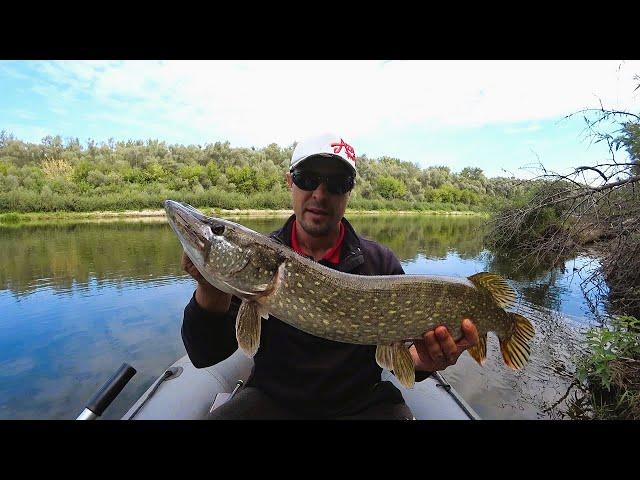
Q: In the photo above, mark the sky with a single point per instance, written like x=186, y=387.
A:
x=502, y=116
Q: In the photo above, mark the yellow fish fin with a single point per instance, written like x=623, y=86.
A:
x=248, y=324
x=497, y=286
x=515, y=349
x=384, y=356
x=479, y=352
x=403, y=366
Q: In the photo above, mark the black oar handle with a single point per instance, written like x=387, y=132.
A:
x=110, y=390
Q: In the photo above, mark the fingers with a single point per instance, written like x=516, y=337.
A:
x=186, y=261
x=190, y=268
x=431, y=347
x=471, y=337
x=447, y=345
x=438, y=349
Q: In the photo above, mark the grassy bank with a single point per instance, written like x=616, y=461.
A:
x=610, y=371
x=14, y=218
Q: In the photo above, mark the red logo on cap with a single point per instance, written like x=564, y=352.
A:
x=348, y=149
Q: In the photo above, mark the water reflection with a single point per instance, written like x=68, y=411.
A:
x=78, y=300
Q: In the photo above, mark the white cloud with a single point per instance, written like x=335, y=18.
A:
x=259, y=102
x=30, y=132
x=518, y=130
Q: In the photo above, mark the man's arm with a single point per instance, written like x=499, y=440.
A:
x=208, y=326
x=209, y=337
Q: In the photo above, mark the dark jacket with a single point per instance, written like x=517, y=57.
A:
x=306, y=373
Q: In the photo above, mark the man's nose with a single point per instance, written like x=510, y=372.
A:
x=321, y=190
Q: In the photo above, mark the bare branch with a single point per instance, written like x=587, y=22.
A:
x=580, y=169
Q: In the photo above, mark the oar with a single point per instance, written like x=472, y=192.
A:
x=109, y=391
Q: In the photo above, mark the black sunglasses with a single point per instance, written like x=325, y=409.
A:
x=309, y=181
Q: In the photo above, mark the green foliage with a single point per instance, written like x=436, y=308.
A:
x=57, y=175
x=630, y=140
x=81, y=171
x=244, y=178
x=213, y=172
x=390, y=188
x=4, y=167
x=611, y=368
x=154, y=172
x=533, y=225
x=10, y=218
x=620, y=340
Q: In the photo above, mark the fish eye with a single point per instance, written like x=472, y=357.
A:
x=217, y=229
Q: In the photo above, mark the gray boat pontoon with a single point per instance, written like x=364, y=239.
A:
x=184, y=392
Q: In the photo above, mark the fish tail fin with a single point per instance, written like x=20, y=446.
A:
x=248, y=325
x=397, y=358
x=515, y=348
x=479, y=352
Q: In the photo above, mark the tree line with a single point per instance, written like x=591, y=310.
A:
x=63, y=175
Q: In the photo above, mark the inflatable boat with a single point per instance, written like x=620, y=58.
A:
x=184, y=392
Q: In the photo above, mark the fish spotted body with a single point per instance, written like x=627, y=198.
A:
x=386, y=311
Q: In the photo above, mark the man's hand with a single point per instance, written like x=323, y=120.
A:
x=437, y=350
x=190, y=268
x=207, y=296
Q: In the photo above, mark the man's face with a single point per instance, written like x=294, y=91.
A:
x=319, y=211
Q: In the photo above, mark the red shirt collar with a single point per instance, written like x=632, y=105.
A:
x=332, y=255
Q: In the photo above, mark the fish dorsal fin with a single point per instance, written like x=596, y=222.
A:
x=497, y=286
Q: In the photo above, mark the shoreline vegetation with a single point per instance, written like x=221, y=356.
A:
x=576, y=210
x=59, y=175
x=14, y=218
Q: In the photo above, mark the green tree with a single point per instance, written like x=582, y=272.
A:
x=390, y=188
x=243, y=178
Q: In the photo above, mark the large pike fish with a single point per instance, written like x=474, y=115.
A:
x=387, y=311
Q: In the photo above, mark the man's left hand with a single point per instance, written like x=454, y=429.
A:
x=438, y=350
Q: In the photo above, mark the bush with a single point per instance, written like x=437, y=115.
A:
x=389, y=187
x=612, y=369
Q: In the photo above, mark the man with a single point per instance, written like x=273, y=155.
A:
x=295, y=374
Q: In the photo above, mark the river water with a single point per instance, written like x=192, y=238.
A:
x=78, y=299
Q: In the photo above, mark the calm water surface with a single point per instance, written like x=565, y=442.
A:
x=77, y=300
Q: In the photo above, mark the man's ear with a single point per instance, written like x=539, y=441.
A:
x=289, y=180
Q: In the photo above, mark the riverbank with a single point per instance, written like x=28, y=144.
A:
x=159, y=215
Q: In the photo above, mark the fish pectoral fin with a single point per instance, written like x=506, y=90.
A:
x=479, y=352
x=515, y=349
x=498, y=288
x=263, y=312
x=403, y=367
x=384, y=356
x=248, y=324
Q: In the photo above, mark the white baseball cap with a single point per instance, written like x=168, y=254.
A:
x=325, y=145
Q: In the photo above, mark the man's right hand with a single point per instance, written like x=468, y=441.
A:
x=207, y=296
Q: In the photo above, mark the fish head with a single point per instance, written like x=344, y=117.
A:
x=230, y=256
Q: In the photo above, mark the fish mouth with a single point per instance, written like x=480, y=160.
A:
x=198, y=233
x=191, y=224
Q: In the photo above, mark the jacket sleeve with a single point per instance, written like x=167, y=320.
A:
x=395, y=268
x=209, y=338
